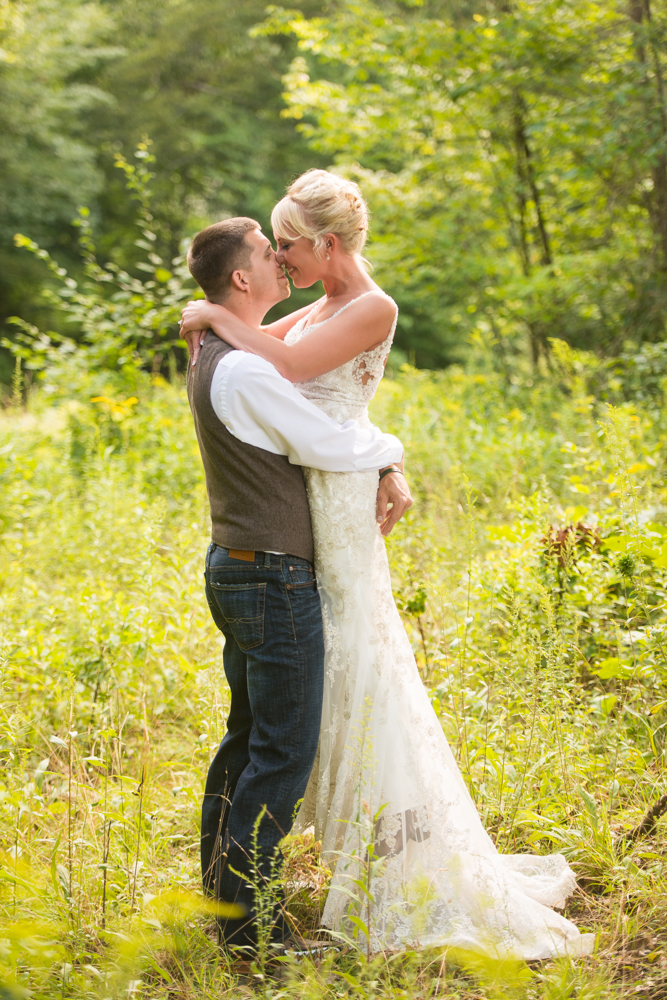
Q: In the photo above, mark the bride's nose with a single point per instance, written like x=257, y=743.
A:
x=280, y=255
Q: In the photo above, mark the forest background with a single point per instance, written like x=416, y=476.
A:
x=514, y=154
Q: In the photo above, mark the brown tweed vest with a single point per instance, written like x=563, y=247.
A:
x=258, y=500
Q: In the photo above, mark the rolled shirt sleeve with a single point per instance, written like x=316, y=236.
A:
x=261, y=408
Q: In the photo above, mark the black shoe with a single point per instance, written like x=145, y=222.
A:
x=296, y=946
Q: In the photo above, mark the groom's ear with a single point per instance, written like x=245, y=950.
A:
x=239, y=281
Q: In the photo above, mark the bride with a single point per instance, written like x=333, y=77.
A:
x=413, y=865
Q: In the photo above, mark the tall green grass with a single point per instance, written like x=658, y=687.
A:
x=532, y=576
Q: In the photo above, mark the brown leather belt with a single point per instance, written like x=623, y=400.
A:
x=241, y=554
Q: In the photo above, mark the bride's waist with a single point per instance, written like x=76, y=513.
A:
x=340, y=409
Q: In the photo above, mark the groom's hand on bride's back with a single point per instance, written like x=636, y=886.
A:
x=393, y=500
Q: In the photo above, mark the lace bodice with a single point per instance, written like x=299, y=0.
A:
x=345, y=392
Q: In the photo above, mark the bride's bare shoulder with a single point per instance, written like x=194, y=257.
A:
x=375, y=315
x=378, y=302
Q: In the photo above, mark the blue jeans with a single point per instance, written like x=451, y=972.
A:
x=269, y=612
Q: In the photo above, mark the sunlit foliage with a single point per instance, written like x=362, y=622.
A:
x=532, y=576
x=515, y=155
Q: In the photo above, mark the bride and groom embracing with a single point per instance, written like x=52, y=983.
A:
x=327, y=705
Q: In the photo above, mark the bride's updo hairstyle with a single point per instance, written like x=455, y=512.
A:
x=318, y=203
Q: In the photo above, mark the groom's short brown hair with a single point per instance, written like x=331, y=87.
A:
x=216, y=252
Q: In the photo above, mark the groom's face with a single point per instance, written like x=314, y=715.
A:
x=266, y=278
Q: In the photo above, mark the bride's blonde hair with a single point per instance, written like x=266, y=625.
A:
x=318, y=203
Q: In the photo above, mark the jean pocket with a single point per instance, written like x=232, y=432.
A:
x=242, y=608
x=300, y=574
x=216, y=614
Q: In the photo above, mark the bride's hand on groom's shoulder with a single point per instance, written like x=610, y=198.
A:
x=194, y=340
x=393, y=500
x=194, y=323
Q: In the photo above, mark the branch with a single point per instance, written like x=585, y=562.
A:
x=649, y=820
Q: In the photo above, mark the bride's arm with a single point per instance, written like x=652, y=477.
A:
x=206, y=312
x=364, y=326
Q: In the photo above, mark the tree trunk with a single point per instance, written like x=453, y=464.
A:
x=527, y=183
x=527, y=174
x=640, y=14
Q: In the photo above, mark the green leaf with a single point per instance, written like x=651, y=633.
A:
x=611, y=667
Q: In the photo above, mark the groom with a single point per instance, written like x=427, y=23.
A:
x=255, y=431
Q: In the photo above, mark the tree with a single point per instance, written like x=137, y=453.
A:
x=513, y=158
x=47, y=163
x=83, y=82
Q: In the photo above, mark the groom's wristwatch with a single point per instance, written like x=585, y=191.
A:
x=385, y=472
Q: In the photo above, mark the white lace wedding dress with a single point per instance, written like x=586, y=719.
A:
x=434, y=876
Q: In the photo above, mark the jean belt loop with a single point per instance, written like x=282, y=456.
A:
x=267, y=559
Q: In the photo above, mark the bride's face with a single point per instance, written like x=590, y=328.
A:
x=298, y=257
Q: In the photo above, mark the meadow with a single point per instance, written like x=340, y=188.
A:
x=531, y=573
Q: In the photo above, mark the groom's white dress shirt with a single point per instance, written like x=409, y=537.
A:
x=260, y=407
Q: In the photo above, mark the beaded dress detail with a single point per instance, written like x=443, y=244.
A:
x=385, y=775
